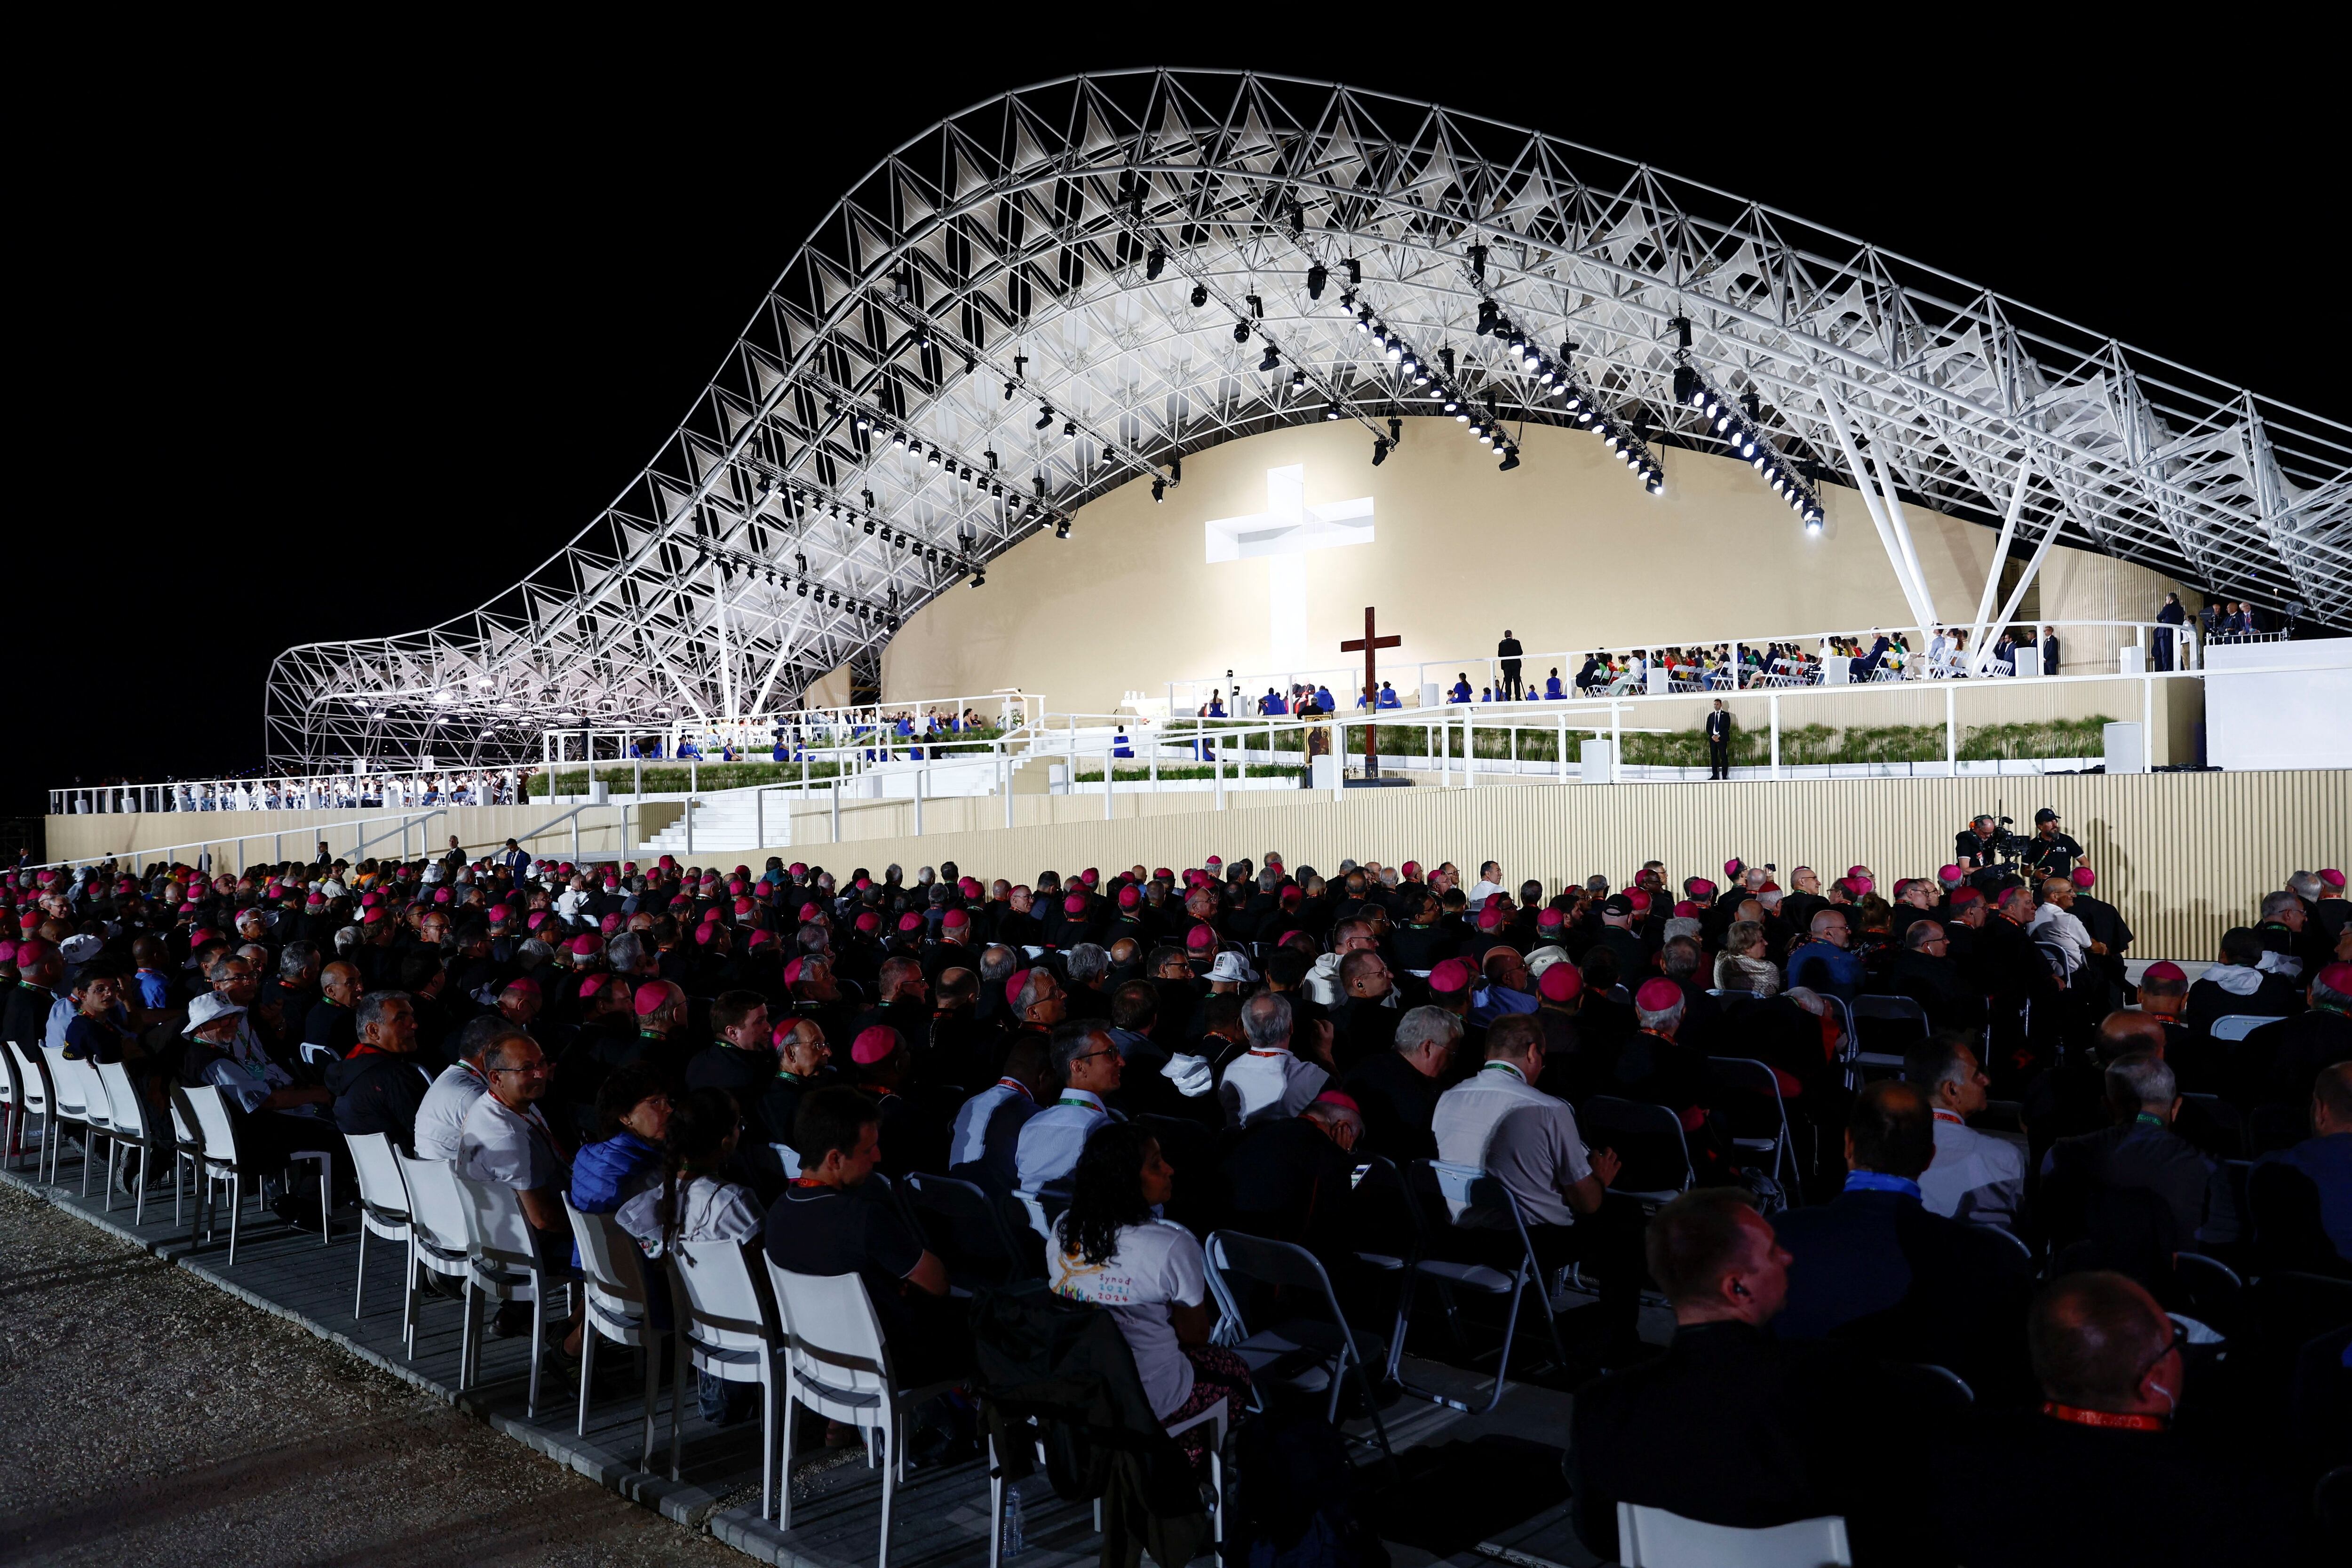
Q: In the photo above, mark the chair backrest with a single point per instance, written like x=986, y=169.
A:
x=11, y=1077
x=963, y=1225
x=2238, y=1025
x=377, y=1165
x=32, y=1079
x=833, y=1340
x=610, y=1265
x=1653, y=1538
x=1747, y=1094
x=436, y=1210
x=496, y=1227
x=721, y=1304
x=214, y=1129
x=1648, y=1140
x=183, y=1121
x=66, y=1083
x=127, y=1111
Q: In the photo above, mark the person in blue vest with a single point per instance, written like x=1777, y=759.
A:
x=1323, y=700
x=1552, y=694
x=1272, y=703
x=686, y=748
x=1461, y=688
x=1217, y=705
x=1389, y=698
x=1119, y=744
x=783, y=753
x=1485, y=694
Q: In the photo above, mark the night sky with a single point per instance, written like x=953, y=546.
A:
x=341, y=351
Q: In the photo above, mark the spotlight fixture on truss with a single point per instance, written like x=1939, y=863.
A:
x=1739, y=427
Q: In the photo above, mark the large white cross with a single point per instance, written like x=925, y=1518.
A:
x=1283, y=534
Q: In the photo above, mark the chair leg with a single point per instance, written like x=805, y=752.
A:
x=408, y=1306
x=538, y=1302
x=890, y=1482
x=139, y=1205
x=466, y=1337
x=677, y=1394
x=587, y=1375
x=236, y=1208
x=113, y=1154
x=1405, y=1294
x=359, y=1291
x=769, y=1418
x=326, y=1202
x=1510, y=1333
x=651, y=1353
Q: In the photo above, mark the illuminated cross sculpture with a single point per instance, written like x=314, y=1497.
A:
x=1370, y=644
x=1283, y=534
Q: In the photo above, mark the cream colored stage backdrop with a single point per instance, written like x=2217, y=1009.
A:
x=1566, y=551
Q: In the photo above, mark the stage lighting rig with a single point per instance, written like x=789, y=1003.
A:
x=1740, y=425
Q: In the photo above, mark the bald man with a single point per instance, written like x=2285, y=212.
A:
x=328, y=1022
x=2097, y=1473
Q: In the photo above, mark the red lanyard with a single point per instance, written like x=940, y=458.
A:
x=2110, y=1418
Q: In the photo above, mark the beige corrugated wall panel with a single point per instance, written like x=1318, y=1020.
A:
x=2184, y=855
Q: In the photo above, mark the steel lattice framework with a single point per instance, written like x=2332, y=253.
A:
x=1068, y=287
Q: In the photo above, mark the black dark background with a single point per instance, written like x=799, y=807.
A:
x=339, y=343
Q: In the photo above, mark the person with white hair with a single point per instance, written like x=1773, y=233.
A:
x=2142, y=1152
x=1268, y=1081
x=1976, y=1176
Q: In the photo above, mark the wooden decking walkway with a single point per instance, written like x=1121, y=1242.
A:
x=941, y=1516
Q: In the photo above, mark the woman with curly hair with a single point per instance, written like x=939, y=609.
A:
x=1108, y=1248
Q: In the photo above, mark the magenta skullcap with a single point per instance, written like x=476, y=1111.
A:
x=1451, y=976
x=585, y=946
x=955, y=918
x=874, y=1044
x=869, y=921
x=1654, y=997
x=1013, y=985
x=2083, y=876
x=1076, y=904
x=1560, y=983
x=911, y=920
x=652, y=997
x=1201, y=939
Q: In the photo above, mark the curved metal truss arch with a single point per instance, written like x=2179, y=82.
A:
x=1069, y=286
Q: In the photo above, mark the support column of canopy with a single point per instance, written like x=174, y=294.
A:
x=2000, y=553
x=1892, y=535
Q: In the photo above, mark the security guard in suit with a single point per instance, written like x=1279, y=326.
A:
x=1719, y=741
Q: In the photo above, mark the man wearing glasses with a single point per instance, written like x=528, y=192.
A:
x=507, y=1140
x=1087, y=1063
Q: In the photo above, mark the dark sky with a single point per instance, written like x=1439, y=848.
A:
x=341, y=352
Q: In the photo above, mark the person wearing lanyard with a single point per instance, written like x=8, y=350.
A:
x=986, y=1138
x=507, y=1140
x=1086, y=1061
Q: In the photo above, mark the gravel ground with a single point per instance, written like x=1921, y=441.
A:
x=151, y=1418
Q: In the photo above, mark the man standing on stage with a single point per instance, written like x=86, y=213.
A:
x=1718, y=743
x=1508, y=651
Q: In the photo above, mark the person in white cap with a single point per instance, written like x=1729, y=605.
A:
x=281, y=1117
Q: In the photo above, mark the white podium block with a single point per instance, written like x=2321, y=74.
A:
x=1660, y=681
x=2126, y=748
x=1837, y=670
x=1323, y=773
x=2135, y=659
x=599, y=792
x=1429, y=694
x=1595, y=763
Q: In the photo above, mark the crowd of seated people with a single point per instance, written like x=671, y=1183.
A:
x=1127, y=1061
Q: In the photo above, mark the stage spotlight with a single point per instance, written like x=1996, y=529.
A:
x=1687, y=387
x=1200, y=295
x=1510, y=460
x=1176, y=470
x=1332, y=412
x=833, y=407
x=1062, y=529
x=1159, y=491
x=1270, y=359
x=833, y=602
x=1479, y=428
x=1452, y=404
x=979, y=579
x=1241, y=331
x=767, y=484
x=1297, y=381
x=1070, y=428
x=1380, y=451
x=864, y=420
x=1488, y=317
x=935, y=457
x=803, y=587
x=1110, y=454
x=1315, y=278
x=1153, y=263
x=1813, y=523
x=1045, y=418
x=1657, y=484
x=869, y=527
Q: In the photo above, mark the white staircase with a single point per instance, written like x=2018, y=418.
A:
x=731, y=820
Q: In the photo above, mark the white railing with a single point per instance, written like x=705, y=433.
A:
x=348, y=839
x=1712, y=664
x=297, y=792
x=692, y=740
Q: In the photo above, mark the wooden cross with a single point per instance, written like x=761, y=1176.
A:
x=1369, y=644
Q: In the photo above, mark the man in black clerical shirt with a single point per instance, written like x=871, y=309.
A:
x=1719, y=741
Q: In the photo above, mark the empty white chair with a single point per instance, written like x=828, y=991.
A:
x=1653, y=1538
x=726, y=1327
x=223, y=1160
x=33, y=1098
x=503, y=1266
x=384, y=1201
x=619, y=1309
x=134, y=1130
x=69, y=1092
x=438, y=1239
x=837, y=1363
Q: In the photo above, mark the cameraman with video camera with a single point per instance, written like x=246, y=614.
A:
x=1978, y=845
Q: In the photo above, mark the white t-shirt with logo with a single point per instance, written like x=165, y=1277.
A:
x=1155, y=1264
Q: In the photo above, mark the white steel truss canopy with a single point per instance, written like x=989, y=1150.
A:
x=1069, y=286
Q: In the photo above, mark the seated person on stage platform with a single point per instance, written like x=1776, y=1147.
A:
x=1323, y=699
x=1149, y=1273
x=1461, y=693
x=832, y=1220
x=1552, y=694
x=1389, y=698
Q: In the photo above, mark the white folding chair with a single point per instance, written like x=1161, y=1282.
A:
x=12, y=1095
x=726, y=1327
x=619, y=1304
x=69, y=1092
x=1462, y=1188
x=384, y=1202
x=503, y=1265
x=836, y=1363
x=1731, y=1076
x=2234, y=1027
x=1297, y=1352
x=438, y=1240
x=223, y=1160
x=188, y=1145
x=1653, y=1538
x=34, y=1097
x=134, y=1128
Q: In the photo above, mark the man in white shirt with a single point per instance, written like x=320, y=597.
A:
x=1498, y=1121
x=506, y=1139
x=441, y=1115
x=1323, y=987
x=985, y=1141
x=1975, y=1176
x=1087, y=1062
x=2055, y=923
x=1267, y=1082
x=1489, y=883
